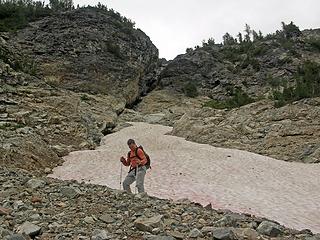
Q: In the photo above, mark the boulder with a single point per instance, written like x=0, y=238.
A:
x=29, y=229
x=4, y=211
x=177, y=235
x=19, y=205
x=314, y=237
x=4, y=232
x=100, y=235
x=156, y=237
x=146, y=224
x=229, y=220
x=246, y=233
x=206, y=230
x=36, y=183
x=270, y=229
x=70, y=192
x=15, y=237
x=89, y=220
x=195, y=233
x=223, y=234
x=107, y=218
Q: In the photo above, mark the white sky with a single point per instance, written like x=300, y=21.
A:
x=174, y=25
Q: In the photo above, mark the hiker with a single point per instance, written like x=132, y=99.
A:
x=137, y=159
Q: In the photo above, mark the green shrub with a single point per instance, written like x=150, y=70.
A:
x=15, y=14
x=5, y=126
x=290, y=30
x=251, y=61
x=61, y=5
x=308, y=80
x=228, y=39
x=11, y=126
x=307, y=85
x=25, y=65
x=314, y=43
x=216, y=104
x=231, y=53
x=285, y=60
x=190, y=90
x=246, y=47
x=189, y=50
x=114, y=49
x=287, y=44
x=274, y=82
x=239, y=98
x=259, y=50
x=84, y=97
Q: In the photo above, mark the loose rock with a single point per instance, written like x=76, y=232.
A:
x=223, y=234
x=29, y=229
x=147, y=224
x=269, y=228
x=70, y=192
x=36, y=183
x=195, y=233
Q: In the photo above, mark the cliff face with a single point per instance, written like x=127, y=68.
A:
x=90, y=50
x=65, y=79
x=256, y=67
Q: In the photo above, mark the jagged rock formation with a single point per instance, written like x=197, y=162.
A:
x=90, y=50
x=43, y=208
x=64, y=81
x=256, y=67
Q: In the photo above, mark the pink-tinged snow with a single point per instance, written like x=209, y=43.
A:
x=229, y=179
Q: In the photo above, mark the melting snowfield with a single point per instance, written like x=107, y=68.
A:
x=229, y=179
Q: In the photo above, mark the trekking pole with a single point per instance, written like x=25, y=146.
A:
x=135, y=189
x=120, y=175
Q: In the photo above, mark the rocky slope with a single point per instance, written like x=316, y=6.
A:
x=65, y=79
x=90, y=50
x=235, y=74
x=159, y=107
x=255, y=67
x=43, y=208
x=288, y=133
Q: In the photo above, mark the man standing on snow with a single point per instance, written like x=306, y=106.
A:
x=137, y=161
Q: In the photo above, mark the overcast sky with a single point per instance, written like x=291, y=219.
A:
x=174, y=25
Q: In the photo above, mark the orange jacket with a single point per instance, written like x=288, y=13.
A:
x=133, y=159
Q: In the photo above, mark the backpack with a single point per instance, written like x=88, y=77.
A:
x=148, y=164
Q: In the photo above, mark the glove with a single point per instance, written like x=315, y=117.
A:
x=122, y=159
